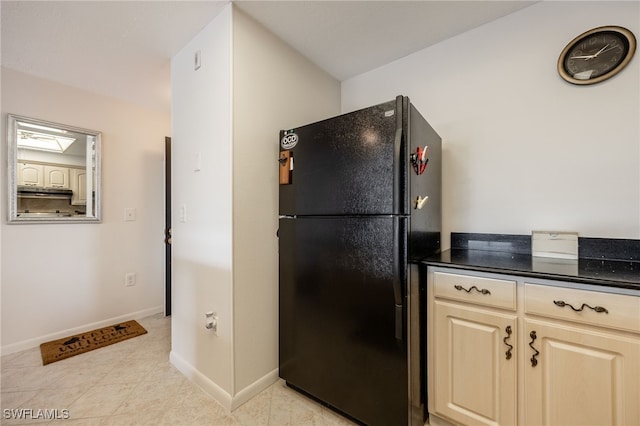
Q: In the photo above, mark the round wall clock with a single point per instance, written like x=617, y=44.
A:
x=596, y=55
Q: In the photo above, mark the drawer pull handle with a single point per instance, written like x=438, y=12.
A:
x=598, y=309
x=460, y=288
x=533, y=336
x=508, y=331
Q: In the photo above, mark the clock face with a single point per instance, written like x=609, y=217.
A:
x=596, y=55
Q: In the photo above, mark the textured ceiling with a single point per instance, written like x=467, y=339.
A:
x=118, y=48
x=123, y=48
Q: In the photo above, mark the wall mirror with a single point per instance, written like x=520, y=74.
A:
x=54, y=172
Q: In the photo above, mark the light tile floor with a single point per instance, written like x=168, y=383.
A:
x=133, y=383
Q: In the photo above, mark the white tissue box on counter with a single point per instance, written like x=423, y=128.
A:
x=557, y=245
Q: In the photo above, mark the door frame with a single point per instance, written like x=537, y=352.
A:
x=167, y=226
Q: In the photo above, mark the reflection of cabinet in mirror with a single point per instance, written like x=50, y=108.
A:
x=56, y=177
x=78, y=184
x=54, y=172
x=45, y=175
x=38, y=181
x=30, y=174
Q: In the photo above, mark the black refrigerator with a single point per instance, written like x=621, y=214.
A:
x=360, y=206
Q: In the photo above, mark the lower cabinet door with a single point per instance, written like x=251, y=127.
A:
x=580, y=377
x=475, y=365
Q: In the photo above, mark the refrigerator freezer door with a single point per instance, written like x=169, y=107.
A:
x=340, y=281
x=348, y=165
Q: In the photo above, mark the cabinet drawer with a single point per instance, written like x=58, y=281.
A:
x=479, y=290
x=601, y=309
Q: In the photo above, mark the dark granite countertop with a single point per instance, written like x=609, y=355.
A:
x=509, y=254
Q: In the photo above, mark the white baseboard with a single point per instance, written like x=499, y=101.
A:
x=36, y=341
x=210, y=387
x=223, y=397
x=254, y=389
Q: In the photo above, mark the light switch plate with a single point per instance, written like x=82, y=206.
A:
x=197, y=60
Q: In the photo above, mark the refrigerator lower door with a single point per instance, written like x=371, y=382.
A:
x=342, y=287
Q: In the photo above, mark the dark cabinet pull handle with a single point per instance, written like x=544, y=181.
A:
x=508, y=331
x=483, y=291
x=534, y=361
x=598, y=309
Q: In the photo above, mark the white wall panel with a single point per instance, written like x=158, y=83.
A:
x=58, y=279
x=202, y=205
x=274, y=88
x=523, y=149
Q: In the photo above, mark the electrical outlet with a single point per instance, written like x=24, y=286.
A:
x=130, y=279
x=129, y=214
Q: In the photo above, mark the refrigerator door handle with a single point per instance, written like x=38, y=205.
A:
x=400, y=274
x=397, y=177
x=399, y=305
x=399, y=327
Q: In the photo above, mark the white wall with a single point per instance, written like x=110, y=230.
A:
x=59, y=279
x=202, y=242
x=524, y=150
x=225, y=253
x=274, y=88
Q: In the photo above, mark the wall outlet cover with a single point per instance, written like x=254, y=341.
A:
x=129, y=214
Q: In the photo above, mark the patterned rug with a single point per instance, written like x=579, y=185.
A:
x=60, y=349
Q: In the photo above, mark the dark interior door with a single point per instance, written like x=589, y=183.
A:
x=167, y=226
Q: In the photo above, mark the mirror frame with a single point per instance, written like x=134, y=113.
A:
x=12, y=162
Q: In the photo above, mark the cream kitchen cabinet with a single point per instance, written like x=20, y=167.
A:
x=30, y=174
x=472, y=367
x=78, y=184
x=44, y=175
x=575, y=352
x=576, y=373
x=56, y=177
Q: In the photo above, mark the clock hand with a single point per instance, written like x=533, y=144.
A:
x=601, y=50
x=595, y=55
x=583, y=57
x=611, y=48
